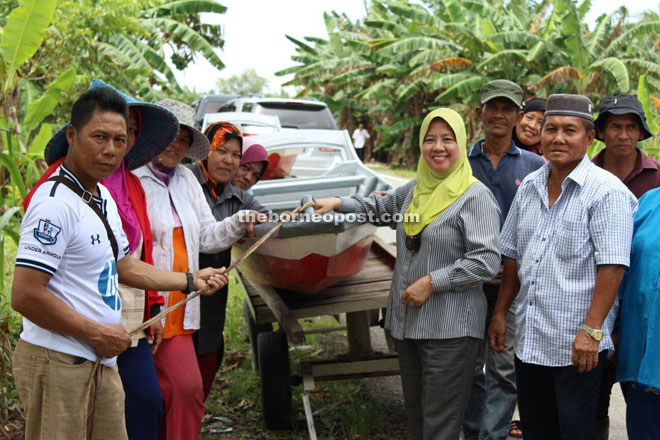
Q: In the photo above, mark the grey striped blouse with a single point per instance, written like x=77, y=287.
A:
x=460, y=250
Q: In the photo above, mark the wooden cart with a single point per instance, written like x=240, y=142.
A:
x=360, y=297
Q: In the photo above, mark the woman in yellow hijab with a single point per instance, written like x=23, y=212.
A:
x=447, y=236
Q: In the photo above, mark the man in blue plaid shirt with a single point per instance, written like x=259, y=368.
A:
x=567, y=243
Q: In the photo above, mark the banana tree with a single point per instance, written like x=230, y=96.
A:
x=405, y=59
x=167, y=24
x=21, y=37
x=22, y=132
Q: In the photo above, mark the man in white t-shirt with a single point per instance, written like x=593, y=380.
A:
x=65, y=285
x=360, y=136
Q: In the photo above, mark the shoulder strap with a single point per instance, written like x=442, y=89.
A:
x=87, y=198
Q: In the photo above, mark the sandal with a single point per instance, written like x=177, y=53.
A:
x=515, y=429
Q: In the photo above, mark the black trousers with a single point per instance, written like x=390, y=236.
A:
x=360, y=153
x=558, y=402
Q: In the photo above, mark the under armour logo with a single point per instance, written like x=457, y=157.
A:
x=96, y=239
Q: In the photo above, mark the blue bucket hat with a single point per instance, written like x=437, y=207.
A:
x=158, y=128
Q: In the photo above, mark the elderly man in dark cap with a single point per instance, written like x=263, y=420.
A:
x=566, y=244
x=621, y=124
x=501, y=165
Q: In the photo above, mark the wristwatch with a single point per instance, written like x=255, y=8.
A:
x=595, y=333
x=191, y=284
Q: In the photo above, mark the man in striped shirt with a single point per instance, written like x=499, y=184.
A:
x=567, y=243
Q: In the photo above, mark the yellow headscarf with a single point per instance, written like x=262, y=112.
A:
x=435, y=192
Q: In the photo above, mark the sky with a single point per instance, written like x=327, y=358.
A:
x=255, y=35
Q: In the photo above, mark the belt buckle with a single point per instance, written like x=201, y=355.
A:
x=86, y=196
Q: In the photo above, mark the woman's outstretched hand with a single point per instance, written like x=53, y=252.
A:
x=327, y=205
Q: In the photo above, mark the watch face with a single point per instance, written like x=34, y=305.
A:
x=598, y=335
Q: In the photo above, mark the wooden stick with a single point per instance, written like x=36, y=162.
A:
x=189, y=298
x=247, y=253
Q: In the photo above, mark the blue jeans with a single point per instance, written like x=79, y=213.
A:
x=642, y=412
x=493, y=396
x=144, y=402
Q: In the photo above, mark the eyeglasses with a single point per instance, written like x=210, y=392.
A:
x=413, y=242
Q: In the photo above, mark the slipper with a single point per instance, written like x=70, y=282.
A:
x=515, y=429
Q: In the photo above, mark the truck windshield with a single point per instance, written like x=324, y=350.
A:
x=299, y=115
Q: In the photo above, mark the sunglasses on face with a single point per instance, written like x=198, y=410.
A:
x=413, y=242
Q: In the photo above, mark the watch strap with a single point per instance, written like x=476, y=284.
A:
x=591, y=332
x=191, y=284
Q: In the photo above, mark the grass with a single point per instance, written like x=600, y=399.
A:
x=11, y=416
x=344, y=409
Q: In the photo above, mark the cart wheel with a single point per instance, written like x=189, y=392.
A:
x=253, y=329
x=275, y=374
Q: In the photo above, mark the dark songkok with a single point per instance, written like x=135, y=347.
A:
x=622, y=105
x=569, y=105
x=533, y=105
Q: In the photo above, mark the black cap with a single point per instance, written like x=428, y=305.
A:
x=533, y=105
x=562, y=104
x=622, y=105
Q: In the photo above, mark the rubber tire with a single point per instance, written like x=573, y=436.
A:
x=252, y=331
x=275, y=375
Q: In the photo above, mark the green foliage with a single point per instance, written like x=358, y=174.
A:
x=22, y=35
x=130, y=44
x=403, y=60
x=244, y=83
x=49, y=51
x=55, y=92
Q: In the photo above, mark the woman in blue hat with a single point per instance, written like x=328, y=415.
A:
x=151, y=129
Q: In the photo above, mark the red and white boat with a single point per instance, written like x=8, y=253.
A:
x=309, y=256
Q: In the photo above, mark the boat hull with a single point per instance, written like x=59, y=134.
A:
x=310, y=263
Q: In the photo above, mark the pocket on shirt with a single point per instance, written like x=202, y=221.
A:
x=571, y=239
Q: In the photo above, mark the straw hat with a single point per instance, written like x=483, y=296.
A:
x=201, y=146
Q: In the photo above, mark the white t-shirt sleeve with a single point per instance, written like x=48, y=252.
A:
x=45, y=233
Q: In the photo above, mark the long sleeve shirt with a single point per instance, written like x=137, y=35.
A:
x=229, y=202
x=202, y=232
x=460, y=250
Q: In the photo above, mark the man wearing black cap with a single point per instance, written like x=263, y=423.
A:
x=501, y=166
x=621, y=124
x=566, y=244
